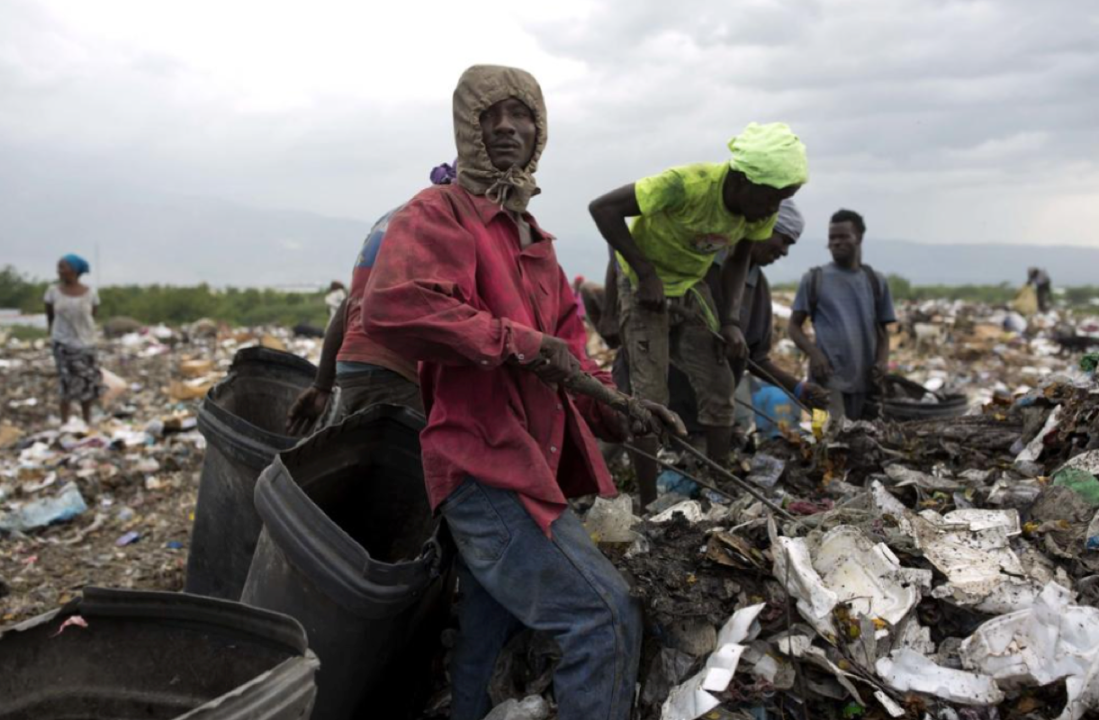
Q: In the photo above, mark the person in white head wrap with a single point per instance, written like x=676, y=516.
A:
x=756, y=314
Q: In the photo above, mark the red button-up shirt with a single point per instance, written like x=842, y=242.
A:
x=453, y=289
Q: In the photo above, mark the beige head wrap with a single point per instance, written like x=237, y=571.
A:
x=479, y=88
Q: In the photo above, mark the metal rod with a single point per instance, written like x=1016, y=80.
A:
x=710, y=486
x=580, y=382
x=743, y=484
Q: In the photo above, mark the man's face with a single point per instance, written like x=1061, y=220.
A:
x=509, y=133
x=761, y=201
x=843, y=241
x=769, y=251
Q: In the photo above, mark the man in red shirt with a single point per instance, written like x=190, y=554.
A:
x=468, y=285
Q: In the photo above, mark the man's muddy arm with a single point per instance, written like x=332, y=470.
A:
x=734, y=272
x=610, y=212
x=333, y=339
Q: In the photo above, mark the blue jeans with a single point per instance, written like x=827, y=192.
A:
x=511, y=574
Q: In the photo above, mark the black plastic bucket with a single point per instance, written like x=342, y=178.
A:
x=350, y=549
x=155, y=656
x=243, y=419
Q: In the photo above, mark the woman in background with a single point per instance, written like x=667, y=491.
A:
x=70, y=309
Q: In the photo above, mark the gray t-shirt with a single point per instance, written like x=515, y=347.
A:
x=73, y=324
x=846, y=322
x=756, y=318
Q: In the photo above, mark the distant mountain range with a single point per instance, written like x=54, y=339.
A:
x=943, y=264
x=144, y=238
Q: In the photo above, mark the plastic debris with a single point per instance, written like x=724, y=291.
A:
x=610, y=521
x=691, y=510
x=71, y=621
x=846, y=567
x=128, y=538
x=766, y=470
x=1082, y=482
x=1041, y=645
x=693, y=698
x=670, y=481
x=907, y=670
x=971, y=548
x=529, y=708
x=39, y=513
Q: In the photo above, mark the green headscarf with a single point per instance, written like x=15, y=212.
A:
x=479, y=88
x=770, y=155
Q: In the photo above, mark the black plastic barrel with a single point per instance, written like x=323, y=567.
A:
x=154, y=656
x=350, y=549
x=243, y=419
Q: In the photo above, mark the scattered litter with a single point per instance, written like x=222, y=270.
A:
x=71, y=621
x=766, y=470
x=1082, y=482
x=128, y=538
x=693, y=698
x=971, y=548
x=907, y=670
x=39, y=513
x=1051, y=640
x=670, y=481
x=611, y=521
x=530, y=708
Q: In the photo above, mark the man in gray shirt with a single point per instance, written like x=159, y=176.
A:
x=850, y=305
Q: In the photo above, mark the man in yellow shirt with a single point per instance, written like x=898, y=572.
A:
x=685, y=216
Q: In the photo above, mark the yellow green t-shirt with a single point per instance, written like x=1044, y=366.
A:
x=684, y=223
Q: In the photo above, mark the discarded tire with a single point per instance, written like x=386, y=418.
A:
x=242, y=418
x=905, y=402
x=350, y=549
x=156, y=655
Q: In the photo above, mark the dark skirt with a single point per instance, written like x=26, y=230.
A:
x=78, y=371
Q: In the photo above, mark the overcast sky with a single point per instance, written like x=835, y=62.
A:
x=940, y=121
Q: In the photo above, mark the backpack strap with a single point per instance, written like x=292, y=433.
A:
x=875, y=285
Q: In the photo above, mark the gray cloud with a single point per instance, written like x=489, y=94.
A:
x=942, y=121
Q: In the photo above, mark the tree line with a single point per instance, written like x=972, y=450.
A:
x=175, y=305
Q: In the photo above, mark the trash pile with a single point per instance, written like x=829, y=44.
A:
x=944, y=568
x=111, y=504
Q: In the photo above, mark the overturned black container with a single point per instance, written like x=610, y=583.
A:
x=243, y=419
x=904, y=401
x=156, y=655
x=350, y=549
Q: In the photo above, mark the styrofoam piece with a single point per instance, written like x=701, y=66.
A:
x=907, y=670
x=971, y=548
x=692, y=699
x=793, y=567
x=889, y=704
x=690, y=509
x=847, y=567
x=1051, y=640
x=868, y=577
